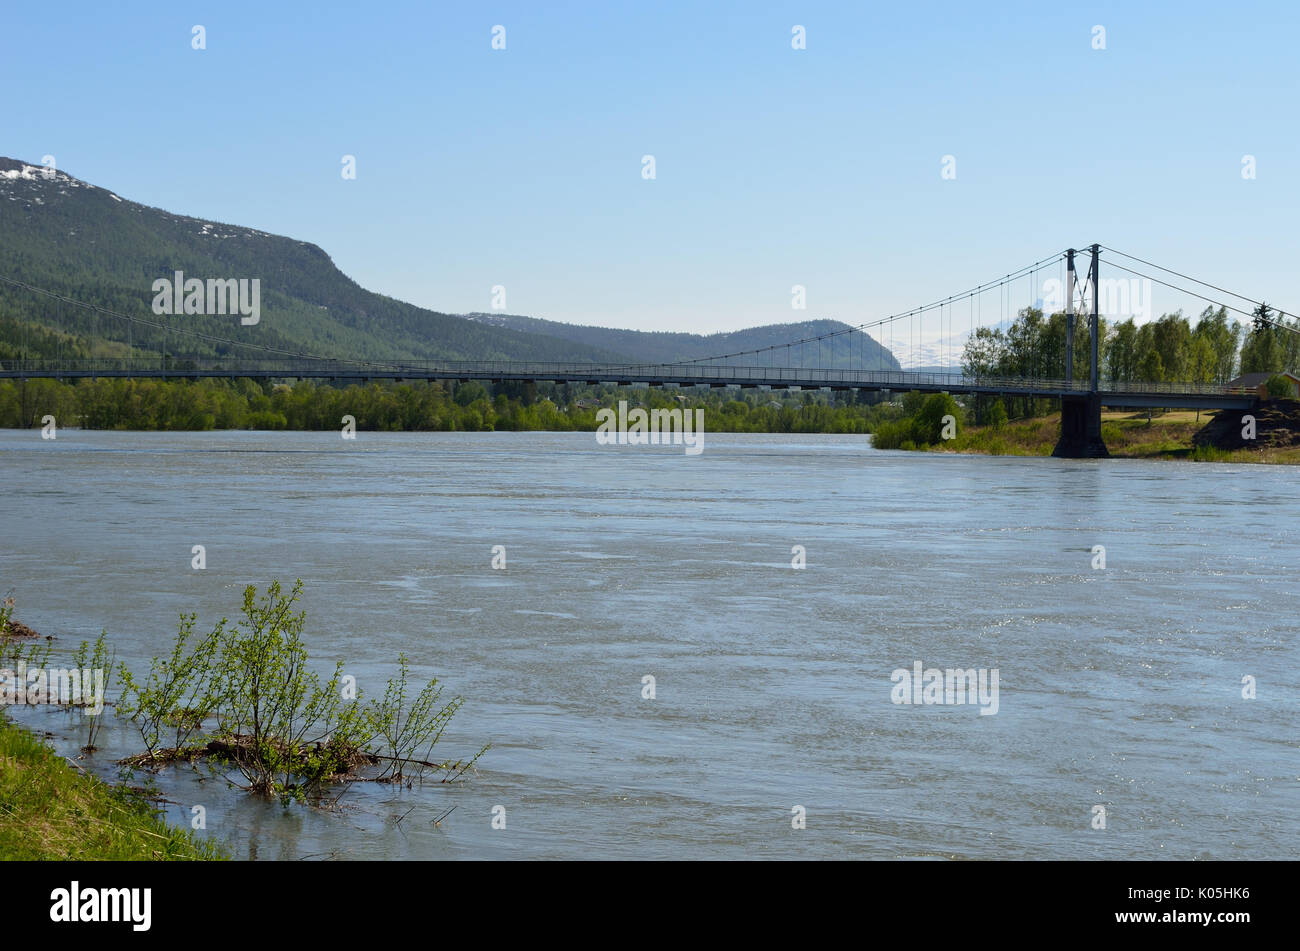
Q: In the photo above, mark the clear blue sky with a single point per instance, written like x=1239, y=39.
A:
x=774, y=167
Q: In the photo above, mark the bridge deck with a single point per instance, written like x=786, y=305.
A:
x=1203, y=396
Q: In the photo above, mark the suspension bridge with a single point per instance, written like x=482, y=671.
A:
x=848, y=368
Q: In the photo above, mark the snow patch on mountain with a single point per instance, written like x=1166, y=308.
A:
x=40, y=173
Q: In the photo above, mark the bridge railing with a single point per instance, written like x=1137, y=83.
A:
x=687, y=373
x=1180, y=389
x=705, y=373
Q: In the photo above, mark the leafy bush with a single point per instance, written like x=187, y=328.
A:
x=178, y=695
x=405, y=729
x=929, y=424
x=94, y=657
x=286, y=730
x=1279, y=387
x=892, y=435
x=267, y=419
x=924, y=425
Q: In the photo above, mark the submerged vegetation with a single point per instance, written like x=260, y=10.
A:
x=244, y=696
x=244, y=699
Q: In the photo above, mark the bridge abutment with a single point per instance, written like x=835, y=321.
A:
x=1081, y=429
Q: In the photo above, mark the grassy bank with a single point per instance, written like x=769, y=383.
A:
x=51, y=810
x=1127, y=435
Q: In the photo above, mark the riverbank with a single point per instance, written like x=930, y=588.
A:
x=55, y=811
x=1127, y=435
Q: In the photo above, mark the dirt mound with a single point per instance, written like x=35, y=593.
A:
x=1277, y=426
x=15, y=629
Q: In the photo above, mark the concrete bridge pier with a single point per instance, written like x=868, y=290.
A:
x=1081, y=428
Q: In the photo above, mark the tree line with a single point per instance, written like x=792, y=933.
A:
x=155, y=404
x=1171, y=349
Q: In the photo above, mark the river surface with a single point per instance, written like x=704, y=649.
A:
x=1119, y=687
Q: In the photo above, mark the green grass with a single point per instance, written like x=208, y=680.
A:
x=50, y=810
x=1131, y=436
x=1031, y=437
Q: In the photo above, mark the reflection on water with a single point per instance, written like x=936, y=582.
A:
x=1118, y=687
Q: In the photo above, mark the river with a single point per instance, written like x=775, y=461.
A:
x=773, y=697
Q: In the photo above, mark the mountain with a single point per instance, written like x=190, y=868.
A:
x=659, y=347
x=935, y=368
x=67, y=236
x=64, y=235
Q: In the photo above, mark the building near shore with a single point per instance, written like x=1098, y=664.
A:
x=1259, y=381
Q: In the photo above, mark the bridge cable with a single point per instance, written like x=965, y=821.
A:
x=1208, y=300
x=888, y=320
x=1186, y=277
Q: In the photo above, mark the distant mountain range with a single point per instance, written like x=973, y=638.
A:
x=64, y=235
x=663, y=347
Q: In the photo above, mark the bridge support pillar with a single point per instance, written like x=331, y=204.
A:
x=1081, y=428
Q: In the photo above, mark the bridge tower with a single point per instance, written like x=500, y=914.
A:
x=1081, y=414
